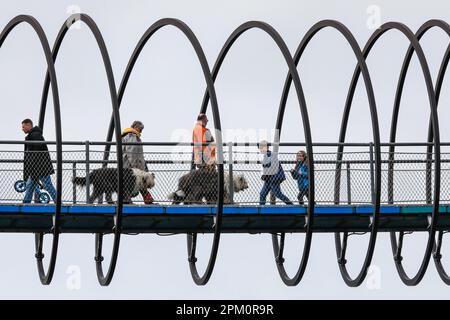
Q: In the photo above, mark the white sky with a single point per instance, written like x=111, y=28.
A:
x=165, y=91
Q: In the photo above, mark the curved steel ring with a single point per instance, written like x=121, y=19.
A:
x=418, y=49
x=306, y=127
x=103, y=280
x=341, y=247
x=376, y=136
x=397, y=248
x=437, y=256
x=46, y=277
x=191, y=238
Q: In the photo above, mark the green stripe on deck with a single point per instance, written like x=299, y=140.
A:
x=422, y=209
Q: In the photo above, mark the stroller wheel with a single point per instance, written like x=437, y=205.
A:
x=44, y=198
x=20, y=186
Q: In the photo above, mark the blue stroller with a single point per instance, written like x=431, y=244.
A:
x=41, y=196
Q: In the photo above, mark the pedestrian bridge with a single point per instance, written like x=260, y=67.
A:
x=201, y=219
x=344, y=194
x=354, y=188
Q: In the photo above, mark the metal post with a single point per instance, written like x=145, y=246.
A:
x=372, y=187
x=391, y=176
x=87, y=171
x=230, y=173
x=337, y=178
x=428, y=181
x=349, y=190
x=74, y=187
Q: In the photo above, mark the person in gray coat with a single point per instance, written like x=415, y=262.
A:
x=133, y=155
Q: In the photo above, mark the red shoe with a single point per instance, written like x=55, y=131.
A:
x=148, y=199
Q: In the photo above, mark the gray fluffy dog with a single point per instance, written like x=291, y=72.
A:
x=201, y=184
x=104, y=181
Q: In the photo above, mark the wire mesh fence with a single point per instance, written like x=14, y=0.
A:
x=347, y=178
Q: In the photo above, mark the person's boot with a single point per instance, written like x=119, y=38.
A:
x=148, y=199
x=273, y=199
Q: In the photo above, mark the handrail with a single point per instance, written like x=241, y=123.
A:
x=235, y=144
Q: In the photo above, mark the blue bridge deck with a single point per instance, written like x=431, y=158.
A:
x=237, y=219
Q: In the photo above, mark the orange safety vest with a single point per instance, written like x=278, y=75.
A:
x=205, y=153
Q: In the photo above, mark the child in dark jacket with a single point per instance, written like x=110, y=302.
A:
x=300, y=173
x=272, y=175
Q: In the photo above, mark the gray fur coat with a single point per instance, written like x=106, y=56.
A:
x=133, y=155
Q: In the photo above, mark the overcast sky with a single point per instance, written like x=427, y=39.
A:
x=165, y=91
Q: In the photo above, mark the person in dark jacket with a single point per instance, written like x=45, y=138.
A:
x=300, y=173
x=37, y=165
x=272, y=175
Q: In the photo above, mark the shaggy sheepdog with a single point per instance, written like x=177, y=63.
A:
x=104, y=182
x=201, y=184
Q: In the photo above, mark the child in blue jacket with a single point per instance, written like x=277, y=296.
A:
x=300, y=173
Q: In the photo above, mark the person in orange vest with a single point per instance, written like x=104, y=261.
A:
x=204, y=154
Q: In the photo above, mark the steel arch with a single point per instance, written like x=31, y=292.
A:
x=307, y=131
x=376, y=136
x=191, y=238
x=103, y=280
x=46, y=277
x=438, y=86
x=430, y=90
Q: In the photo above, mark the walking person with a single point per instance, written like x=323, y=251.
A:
x=133, y=156
x=300, y=173
x=204, y=148
x=272, y=175
x=37, y=164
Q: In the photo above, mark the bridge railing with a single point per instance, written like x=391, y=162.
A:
x=349, y=180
